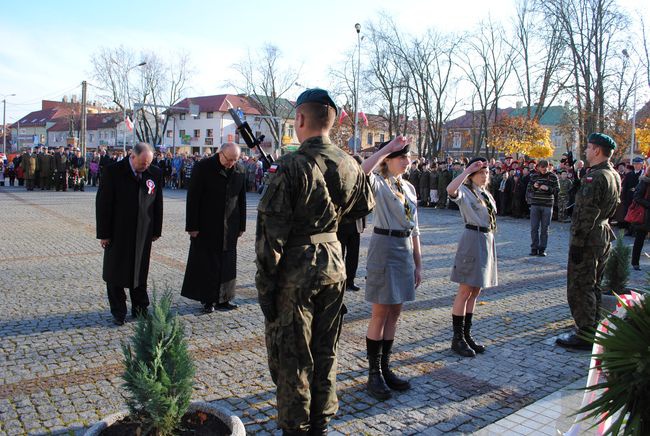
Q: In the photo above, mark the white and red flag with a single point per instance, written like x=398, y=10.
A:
x=129, y=123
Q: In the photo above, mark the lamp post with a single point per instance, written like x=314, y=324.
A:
x=357, y=27
x=4, y=122
x=632, y=138
x=126, y=79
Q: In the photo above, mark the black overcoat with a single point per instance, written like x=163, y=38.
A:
x=216, y=208
x=129, y=213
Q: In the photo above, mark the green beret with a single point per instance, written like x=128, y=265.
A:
x=602, y=140
x=316, y=95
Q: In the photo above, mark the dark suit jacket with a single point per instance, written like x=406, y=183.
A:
x=129, y=212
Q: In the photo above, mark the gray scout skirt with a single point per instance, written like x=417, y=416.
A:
x=476, y=260
x=390, y=268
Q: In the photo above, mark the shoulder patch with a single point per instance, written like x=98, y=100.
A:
x=274, y=168
x=589, y=179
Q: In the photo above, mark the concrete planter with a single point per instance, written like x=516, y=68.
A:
x=232, y=421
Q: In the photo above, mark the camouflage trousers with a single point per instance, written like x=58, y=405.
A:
x=584, y=284
x=302, y=346
x=562, y=203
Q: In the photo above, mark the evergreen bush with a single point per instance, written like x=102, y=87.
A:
x=159, y=370
x=617, y=268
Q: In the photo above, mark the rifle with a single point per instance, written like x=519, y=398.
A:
x=246, y=132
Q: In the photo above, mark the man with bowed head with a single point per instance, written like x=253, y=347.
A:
x=129, y=212
x=591, y=237
x=300, y=269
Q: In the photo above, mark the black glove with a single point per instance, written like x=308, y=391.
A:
x=267, y=303
x=575, y=253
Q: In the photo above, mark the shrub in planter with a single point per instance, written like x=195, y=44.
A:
x=158, y=370
x=617, y=268
x=625, y=361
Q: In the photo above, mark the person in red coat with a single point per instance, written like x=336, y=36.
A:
x=129, y=212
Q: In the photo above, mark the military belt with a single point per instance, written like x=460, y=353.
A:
x=477, y=228
x=318, y=238
x=396, y=233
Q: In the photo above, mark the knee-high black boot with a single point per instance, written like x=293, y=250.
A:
x=458, y=343
x=392, y=380
x=467, y=333
x=376, y=384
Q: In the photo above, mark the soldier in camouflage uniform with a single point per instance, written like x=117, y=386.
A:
x=563, y=197
x=300, y=269
x=591, y=237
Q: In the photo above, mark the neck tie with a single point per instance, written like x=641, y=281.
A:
x=492, y=215
x=402, y=196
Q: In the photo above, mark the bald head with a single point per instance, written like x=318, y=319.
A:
x=229, y=154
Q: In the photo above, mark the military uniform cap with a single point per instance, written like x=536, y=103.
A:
x=316, y=95
x=403, y=152
x=602, y=140
x=637, y=160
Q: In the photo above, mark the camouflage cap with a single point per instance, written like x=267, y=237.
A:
x=316, y=95
x=602, y=140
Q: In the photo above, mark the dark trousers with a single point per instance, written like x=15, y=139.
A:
x=540, y=219
x=61, y=179
x=350, y=239
x=29, y=184
x=639, y=239
x=117, y=300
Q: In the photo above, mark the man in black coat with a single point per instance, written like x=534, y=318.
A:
x=215, y=219
x=129, y=209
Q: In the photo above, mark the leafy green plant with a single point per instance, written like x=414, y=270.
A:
x=617, y=268
x=159, y=370
x=626, y=363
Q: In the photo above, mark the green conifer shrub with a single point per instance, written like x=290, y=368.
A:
x=159, y=371
x=617, y=268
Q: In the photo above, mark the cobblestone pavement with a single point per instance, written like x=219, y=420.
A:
x=61, y=360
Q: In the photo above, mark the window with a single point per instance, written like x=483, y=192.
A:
x=381, y=137
x=208, y=132
x=182, y=116
x=197, y=133
x=209, y=114
x=370, y=138
x=181, y=133
x=290, y=130
x=169, y=133
x=457, y=140
x=237, y=138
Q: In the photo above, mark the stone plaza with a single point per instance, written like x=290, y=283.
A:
x=61, y=355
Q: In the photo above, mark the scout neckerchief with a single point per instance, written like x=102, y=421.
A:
x=492, y=216
x=399, y=193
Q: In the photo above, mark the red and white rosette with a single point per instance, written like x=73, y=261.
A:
x=151, y=185
x=596, y=375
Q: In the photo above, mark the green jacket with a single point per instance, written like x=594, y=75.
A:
x=596, y=202
x=300, y=201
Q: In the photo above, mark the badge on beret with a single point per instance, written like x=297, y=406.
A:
x=150, y=186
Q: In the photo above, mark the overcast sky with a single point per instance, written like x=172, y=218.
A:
x=47, y=45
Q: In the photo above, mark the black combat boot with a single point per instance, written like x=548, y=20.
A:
x=376, y=384
x=391, y=379
x=458, y=343
x=467, y=334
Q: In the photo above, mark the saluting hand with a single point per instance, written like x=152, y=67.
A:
x=476, y=166
x=397, y=144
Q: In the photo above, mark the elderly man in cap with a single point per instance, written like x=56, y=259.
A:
x=591, y=237
x=300, y=270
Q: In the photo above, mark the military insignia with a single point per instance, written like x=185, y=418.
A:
x=150, y=186
x=274, y=168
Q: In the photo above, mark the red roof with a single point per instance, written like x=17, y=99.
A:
x=93, y=122
x=219, y=103
x=37, y=118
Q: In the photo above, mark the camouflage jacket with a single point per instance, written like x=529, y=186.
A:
x=297, y=202
x=596, y=201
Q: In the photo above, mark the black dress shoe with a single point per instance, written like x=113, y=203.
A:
x=223, y=307
x=118, y=321
x=636, y=267
x=208, y=308
x=573, y=341
x=541, y=253
x=533, y=252
x=353, y=287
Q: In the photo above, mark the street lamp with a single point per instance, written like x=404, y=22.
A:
x=627, y=56
x=357, y=27
x=126, y=78
x=4, y=122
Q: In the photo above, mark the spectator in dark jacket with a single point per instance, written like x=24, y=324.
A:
x=542, y=189
x=641, y=230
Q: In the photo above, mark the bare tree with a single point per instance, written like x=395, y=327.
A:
x=538, y=59
x=487, y=61
x=591, y=30
x=266, y=82
x=158, y=84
